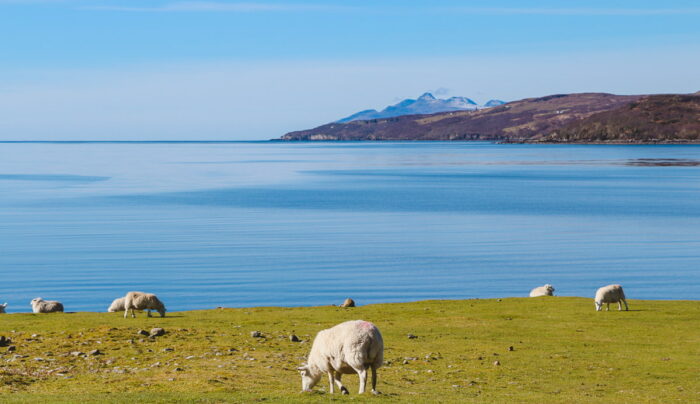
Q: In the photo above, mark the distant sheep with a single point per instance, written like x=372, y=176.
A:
x=349, y=347
x=142, y=301
x=610, y=294
x=117, y=305
x=40, y=305
x=546, y=290
x=2, y=308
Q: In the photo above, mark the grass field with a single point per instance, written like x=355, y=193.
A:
x=562, y=351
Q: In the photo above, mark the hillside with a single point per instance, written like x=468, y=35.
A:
x=515, y=121
x=656, y=118
x=549, y=349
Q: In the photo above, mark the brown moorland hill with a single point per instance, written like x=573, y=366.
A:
x=515, y=121
x=653, y=119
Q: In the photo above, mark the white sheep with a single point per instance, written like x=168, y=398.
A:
x=40, y=305
x=2, y=308
x=117, y=305
x=349, y=347
x=546, y=290
x=142, y=301
x=610, y=294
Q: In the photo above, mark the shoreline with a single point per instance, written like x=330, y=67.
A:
x=427, y=301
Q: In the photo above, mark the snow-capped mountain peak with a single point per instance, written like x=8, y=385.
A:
x=425, y=104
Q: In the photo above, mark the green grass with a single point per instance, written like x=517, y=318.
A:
x=563, y=351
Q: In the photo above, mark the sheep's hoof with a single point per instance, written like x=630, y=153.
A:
x=343, y=390
x=376, y=393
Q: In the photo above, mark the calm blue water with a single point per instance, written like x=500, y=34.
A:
x=247, y=224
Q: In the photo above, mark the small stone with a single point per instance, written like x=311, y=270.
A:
x=405, y=362
x=294, y=338
x=499, y=300
x=497, y=363
x=157, y=332
x=190, y=357
x=510, y=348
x=348, y=303
x=11, y=348
x=39, y=359
x=4, y=341
x=95, y=352
x=77, y=353
x=256, y=334
x=481, y=358
x=35, y=335
x=143, y=332
x=168, y=349
x=411, y=336
x=179, y=369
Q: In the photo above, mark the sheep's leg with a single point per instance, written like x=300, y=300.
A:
x=133, y=313
x=627, y=308
x=608, y=307
x=126, y=313
x=342, y=388
x=619, y=305
x=331, y=381
x=374, y=380
x=149, y=312
x=362, y=372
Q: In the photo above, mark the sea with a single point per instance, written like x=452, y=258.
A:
x=241, y=224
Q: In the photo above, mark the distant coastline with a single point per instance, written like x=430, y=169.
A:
x=583, y=118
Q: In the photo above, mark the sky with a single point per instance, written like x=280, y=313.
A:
x=253, y=70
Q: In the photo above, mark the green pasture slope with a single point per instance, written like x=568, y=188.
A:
x=562, y=351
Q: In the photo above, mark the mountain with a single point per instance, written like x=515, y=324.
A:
x=425, y=104
x=515, y=121
x=493, y=103
x=670, y=118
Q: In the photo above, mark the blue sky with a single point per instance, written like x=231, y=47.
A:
x=136, y=70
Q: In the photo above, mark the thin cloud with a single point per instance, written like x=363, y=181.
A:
x=574, y=11
x=197, y=6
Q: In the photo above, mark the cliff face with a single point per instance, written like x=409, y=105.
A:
x=516, y=121
x=652, y=119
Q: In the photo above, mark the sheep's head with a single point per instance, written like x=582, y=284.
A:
x=549, y=288
x=598, y=306
x=2, y=307
x=308, y=378
x=161, y=310
x=36, y=301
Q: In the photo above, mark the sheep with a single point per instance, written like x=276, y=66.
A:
x=117, y=305
x=546, y=290
x=40, y=305
x=610, y=294
x=2, y=308
x=142, y=301
x=349, y=347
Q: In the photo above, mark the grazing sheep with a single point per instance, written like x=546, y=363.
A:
x=546, y=290
x=142, y=301
x=610, y=294
x=2, y=308
x=40, y=305
x=349, y=347
x=117, y=305
x=348, y=303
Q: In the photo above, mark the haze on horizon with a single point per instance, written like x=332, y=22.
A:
x=200, y=70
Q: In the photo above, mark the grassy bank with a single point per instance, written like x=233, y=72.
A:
x=562, y=351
